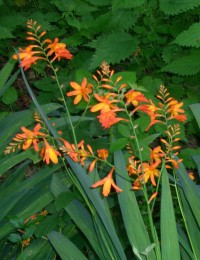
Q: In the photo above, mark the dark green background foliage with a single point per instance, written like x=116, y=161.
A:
x=157, y=42
x=157, y=39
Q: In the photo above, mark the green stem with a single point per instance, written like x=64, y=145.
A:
x=184, y=218
x=59, y=86
x=65, y=104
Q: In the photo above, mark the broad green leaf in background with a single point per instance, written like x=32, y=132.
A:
x=196, y=111
x=9, y=96
x=127, y=77
x=177, y=6
x=105, y=50
x=64, y=247
x=190, y=37
x=119, y=144
x=133, y=221
x=5, y=33
x=117, y=4
x=169, y=237
x=124, y=129
x=184, y=66
x=149, y=139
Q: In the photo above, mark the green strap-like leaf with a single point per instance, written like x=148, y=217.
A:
x=169, y=236
x=64, y=247
x=193, y=229
x=86, y=224
x=5, y=72
x=38, y=249
x=133, y=221
x=191, y=192
x=85, y=181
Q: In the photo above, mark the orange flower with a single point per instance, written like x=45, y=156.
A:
x=101, y=153
x=191, y=175
x=151, y=110
x=135, y=97
x=83, y=154
x=105, y=103
x=70, y=150
x=26, y=53
x=27, y=56
x=133, y=167
x=108, y=118
x=26, y=63
x=26, y=242
x=49, y=153
x=78, y=154
x=173, y=162
x=150, y=171
x=29, y=137
x=107, y=183
x=153, y=196
x=92, y=165
x=176, y=111
x=137, y=184
x=81, y=91
x=59, y=49
x=156, y=154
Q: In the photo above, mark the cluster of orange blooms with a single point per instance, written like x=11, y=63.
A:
x=34, y=52
x=114, y=95
x=109, y=98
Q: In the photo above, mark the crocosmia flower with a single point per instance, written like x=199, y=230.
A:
x=80, y=91
x=59, y=50
x=107, y=183
x=30, y=137
x=49, y=153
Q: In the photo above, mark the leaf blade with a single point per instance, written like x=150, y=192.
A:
x=169, y=236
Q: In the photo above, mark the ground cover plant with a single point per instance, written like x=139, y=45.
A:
x=100, y=157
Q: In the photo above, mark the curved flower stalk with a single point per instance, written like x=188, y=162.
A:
x=46, y=49
x=38, y=140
